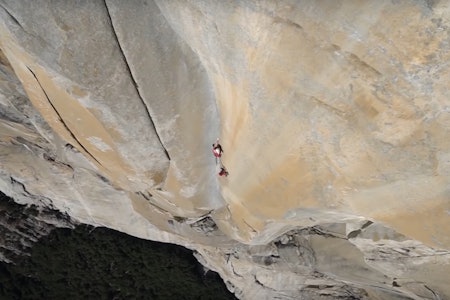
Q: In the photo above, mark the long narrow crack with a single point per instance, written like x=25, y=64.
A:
x=250, y=226
x=61, y=119
x=23, y=187
x=136, y=86
x=263, y=285
x=234, y=271
x=12, y=17
x=435, y=295
x=152, y=203
x=16, y=21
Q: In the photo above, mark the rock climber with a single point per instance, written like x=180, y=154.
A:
x=223, y=171
x=217, y=149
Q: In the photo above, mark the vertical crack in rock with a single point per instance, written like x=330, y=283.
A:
x=148, y=197
x=43, y=200
x=16, y=21
x=329, y=107
x=15, y=182
x=435, y=295
x=264, y=286
x=12, y=17
x=189, y=44
x=278, y=19
x=61, y=119
x=323, y=232
x=250, y=226
x=136, y=86
x=234, y=271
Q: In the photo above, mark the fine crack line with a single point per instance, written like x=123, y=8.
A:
x=22, y=185
x=234, y=272
x=319, y=231
x=262, y=284
x=155, y=205
x=191, y=221
x=278, y=19
x=329, y=107
x=436, y=295
x=12, y=17
x=16, y=21
x=250, y=226
x=136, y=86
x=61, y=119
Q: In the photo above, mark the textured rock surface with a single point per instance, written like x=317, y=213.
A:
x=334, y=117
x=22, y=226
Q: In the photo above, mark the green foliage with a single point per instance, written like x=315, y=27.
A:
x=104, y=264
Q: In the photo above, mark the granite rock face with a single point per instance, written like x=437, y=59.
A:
x=334, y=117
